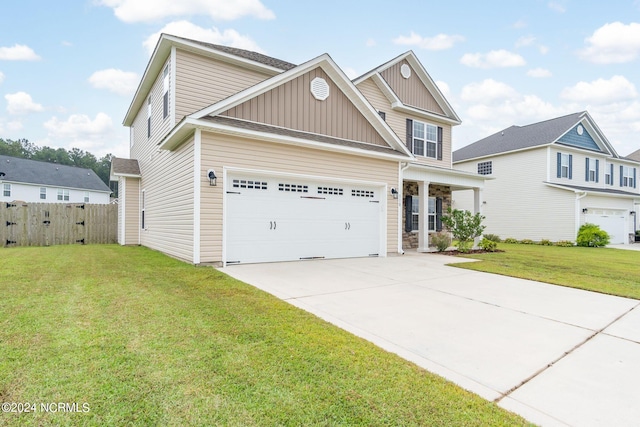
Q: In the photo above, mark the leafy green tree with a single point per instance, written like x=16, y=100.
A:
x=464, y=227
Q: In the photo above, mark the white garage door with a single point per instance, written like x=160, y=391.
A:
x=610, y=221
x=284, y=218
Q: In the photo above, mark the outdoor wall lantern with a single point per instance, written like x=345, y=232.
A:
x=213, y=179
x=585, y=210
x=394, y=193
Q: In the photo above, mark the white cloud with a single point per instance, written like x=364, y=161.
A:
x=116, y=81
x=520, y=24
x=80, y=131
x=613, y=43
x=557, y=7
x=539, y=73
x=131, y=11
x=487, y=91
x=18, y=52
x=601, y=91
x=14, y=125
x=543, y=49
x=438, y=42
x=370, y=43
x=211, y=35
x=525, y=41
x=493, y=59
x=21, y=103
x=1, y=77
x=444, y=88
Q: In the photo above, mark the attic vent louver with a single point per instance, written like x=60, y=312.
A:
x=405, y=70
x=319, y=89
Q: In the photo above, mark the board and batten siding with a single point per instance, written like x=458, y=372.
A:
x=129, y=211
x=167, y=182
x=219, y=151
x=411, y=91
x=293, y=106
x=398, y=123
x=202, y=81
x=518, y=203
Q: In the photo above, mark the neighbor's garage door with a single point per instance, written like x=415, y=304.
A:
x=612, y=222
x=283, y=218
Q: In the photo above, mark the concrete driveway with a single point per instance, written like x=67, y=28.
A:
x=556, y=356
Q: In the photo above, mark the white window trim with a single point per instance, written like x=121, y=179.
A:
x=592, y=170
x=425, y=141
x=43, y=193
x=63, y=195
x=165, y=92
x=564, y=165
x=431, y=214
x=143, y=220
x=87, y=196
x=6, y=188
x=627, y=176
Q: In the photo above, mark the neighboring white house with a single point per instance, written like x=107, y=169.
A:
x=41, y=182
x=550, y=178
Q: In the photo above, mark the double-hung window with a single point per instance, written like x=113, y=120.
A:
x=165, y=92
x=43, y=193
x=86, y=197
x=608, y=175
x=432, y=222
x=431, y=214
x=591, y=170
x=63, y=195
x=565, y=165
x=627, y=176
x=6, y=190
x=425, y=139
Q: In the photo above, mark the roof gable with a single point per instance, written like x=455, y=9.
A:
x=561, y=130
x=416, y=94
x=340, y=87
x=292, y=105
x=49, y=174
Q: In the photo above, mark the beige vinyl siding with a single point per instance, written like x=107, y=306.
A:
x=169, y=198
x=411, y=91
x=129, y=210
x=518, y=203
x=160, y=126
x=221, y=150
x=293, y=106
x=398, y=123
x=202, y=81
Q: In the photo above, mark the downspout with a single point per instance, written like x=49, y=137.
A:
x=400, y=201
x=578, y=210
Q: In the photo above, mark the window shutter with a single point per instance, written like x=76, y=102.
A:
x=408, y=203
x=634, y=178
x=586, y=170
x=410, y=135
x=559, y=165
x=621, y=176
x=438, y=213
x=439, y=143
x=597, y=170
x=611, y=180
x=570, y=166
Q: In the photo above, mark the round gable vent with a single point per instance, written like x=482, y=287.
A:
x=580, y=130
x=405, y=70
x=319, y=89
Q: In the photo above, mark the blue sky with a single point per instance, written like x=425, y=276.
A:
x=68, y=70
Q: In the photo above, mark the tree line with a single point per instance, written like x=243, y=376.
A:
x=24, y=149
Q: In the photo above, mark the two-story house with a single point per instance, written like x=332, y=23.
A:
x=550, y=178
x=33, y=181
x=238, y=157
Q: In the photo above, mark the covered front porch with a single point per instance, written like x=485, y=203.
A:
x=422, y=216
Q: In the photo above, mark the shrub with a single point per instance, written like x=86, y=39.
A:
x=464, y=226
x=510, y=240
x=564, y=243
x=488, y=245
x=493, y=237
x=591, y=235
x=527, y=242
x=441, y=241
x=546, y=242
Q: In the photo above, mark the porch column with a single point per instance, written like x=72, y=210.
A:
x=423, y=223
x=477, y=208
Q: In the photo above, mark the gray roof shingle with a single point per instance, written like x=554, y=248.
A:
x=634, y=156
x=49, y=174
x=246, y=54
x=519, y=137
x=125, y=166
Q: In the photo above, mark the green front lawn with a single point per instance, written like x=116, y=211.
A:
x=610, y=271
x=143, y=339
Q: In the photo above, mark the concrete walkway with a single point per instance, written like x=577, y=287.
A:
x=555, y=355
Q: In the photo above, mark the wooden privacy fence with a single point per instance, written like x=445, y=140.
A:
x=46, y=224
